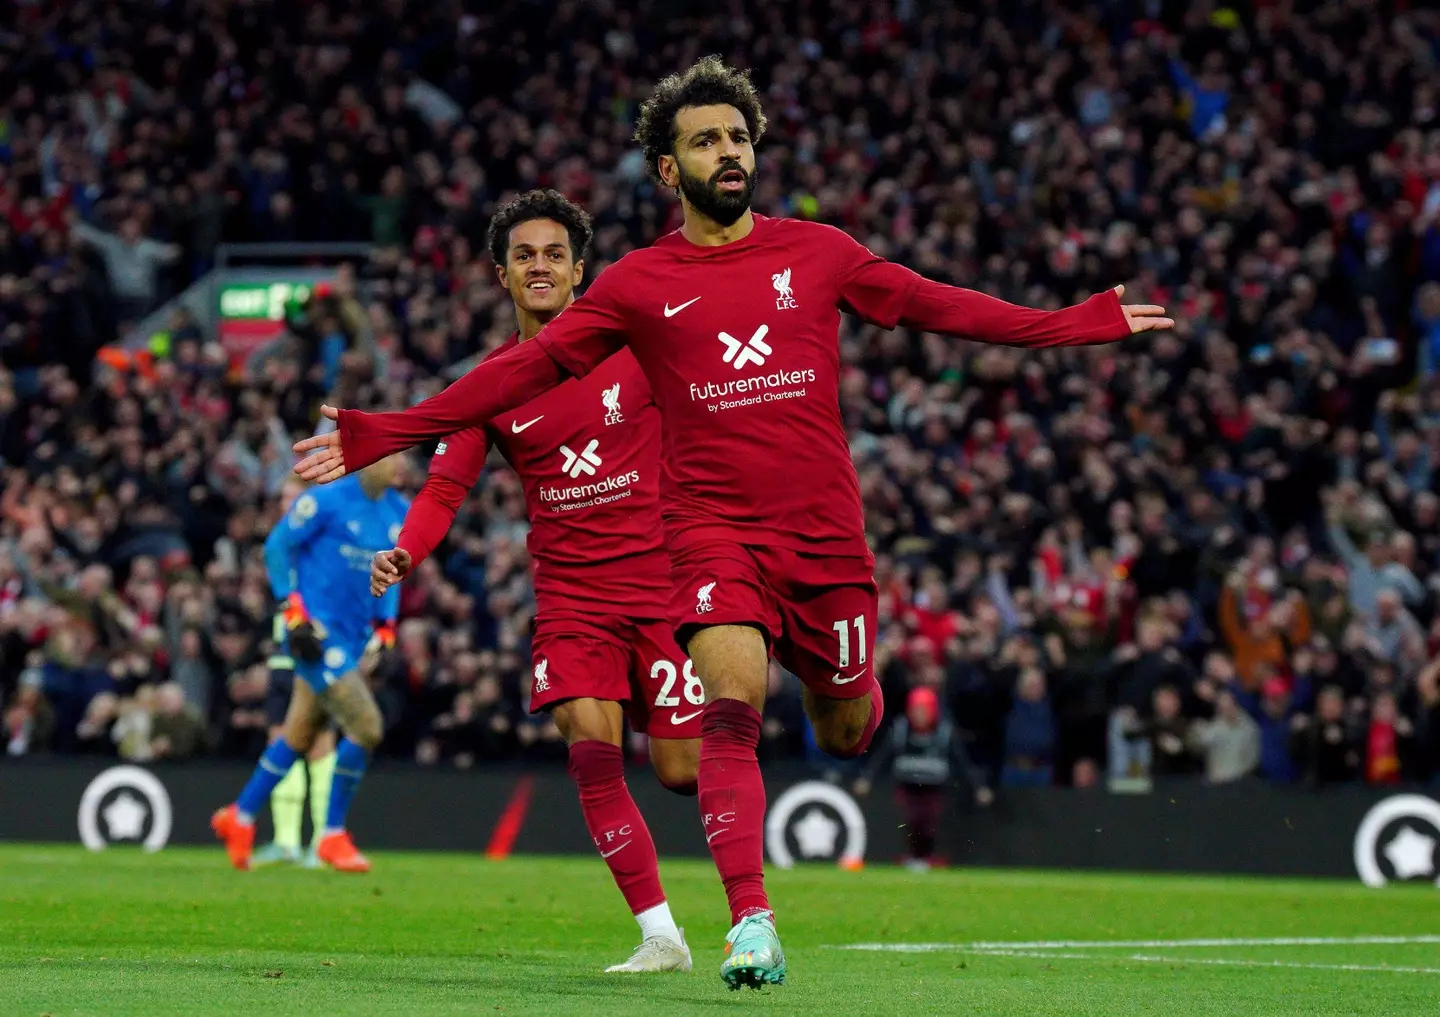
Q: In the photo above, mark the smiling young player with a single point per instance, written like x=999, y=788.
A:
x=733, y=318
x=588, y=455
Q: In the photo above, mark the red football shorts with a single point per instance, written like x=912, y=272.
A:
x=817, y=611
x=622, y=659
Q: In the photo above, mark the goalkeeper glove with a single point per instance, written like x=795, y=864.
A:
x=383, y=638
x=305, y=634
x=382, y=641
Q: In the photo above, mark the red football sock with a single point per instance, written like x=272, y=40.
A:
x=615, y=823
x=877, y=714
x=732, y=802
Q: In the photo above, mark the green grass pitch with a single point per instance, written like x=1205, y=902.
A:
x=179, y=933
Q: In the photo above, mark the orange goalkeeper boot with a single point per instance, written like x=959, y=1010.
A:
x=338, y=851
x=239, y=837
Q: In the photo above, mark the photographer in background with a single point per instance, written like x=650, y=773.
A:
x=923, y=754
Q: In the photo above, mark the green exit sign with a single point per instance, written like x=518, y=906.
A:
x=262, y=301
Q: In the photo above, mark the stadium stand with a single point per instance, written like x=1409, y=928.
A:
x=1216, y=554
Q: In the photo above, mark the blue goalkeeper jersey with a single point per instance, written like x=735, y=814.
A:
x=322, y=549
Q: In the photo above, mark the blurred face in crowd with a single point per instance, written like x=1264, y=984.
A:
x=1427, y=510
x=922, y=710
x=414, y=637
x=170, y=699
x=1331, y=705
x=1402, y=549
x=1167, y=703
x=1276, y=698
x=714, y=162
x=1151, y=635
x=540, y=270
x=1032, y=685
x=1226, y=708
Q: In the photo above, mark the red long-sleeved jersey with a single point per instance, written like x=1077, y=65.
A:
x=588, y=456
x=738, y=343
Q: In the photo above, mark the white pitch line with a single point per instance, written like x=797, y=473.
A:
x=1141, y=944
x=1212, y=961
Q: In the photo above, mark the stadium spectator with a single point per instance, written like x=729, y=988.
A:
x=1169, y=731
x=1141, y=669
x=131, y=261
x=29, y=720
x=1229, y=743
x=178, y=730
x=1273, y=177
x=1326, y=746
x=1029, y=734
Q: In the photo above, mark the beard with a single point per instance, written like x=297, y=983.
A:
x=705, y=196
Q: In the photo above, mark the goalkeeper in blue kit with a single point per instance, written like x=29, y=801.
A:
x=318, y=557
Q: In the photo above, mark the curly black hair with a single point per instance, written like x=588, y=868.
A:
x=708, y=82
x=539, y=204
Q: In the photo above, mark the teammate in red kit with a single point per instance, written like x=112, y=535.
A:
x=733, y=318
x=588, y=455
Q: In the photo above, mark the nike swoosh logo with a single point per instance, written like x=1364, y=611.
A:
x=607, y=854
x=670, y=312
x=711, y=836
x=677, y=721
x=846, y=681
x=516, y=427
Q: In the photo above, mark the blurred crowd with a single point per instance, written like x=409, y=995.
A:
x=1215, y=554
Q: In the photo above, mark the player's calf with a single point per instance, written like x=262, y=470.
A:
x=844, y=728
x=733, y=663
x=623, y=839
x=350, y=702
x=359, y=716
x=235, y=824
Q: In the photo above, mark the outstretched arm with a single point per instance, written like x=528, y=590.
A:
x=490, y=388
x=967, y=314
x=587, y=332
x=886, y=294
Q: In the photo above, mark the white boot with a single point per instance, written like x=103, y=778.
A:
x=658, y=953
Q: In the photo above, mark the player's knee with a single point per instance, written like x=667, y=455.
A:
x=733, y=663
x=588, y=720
x=676, y=763
x=845, y=728
x=367, y=730
x=842, y=741
x=850, y=746
x=745, y=688
x=299, y=735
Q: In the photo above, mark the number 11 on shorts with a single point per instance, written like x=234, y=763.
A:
x=842, y=629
